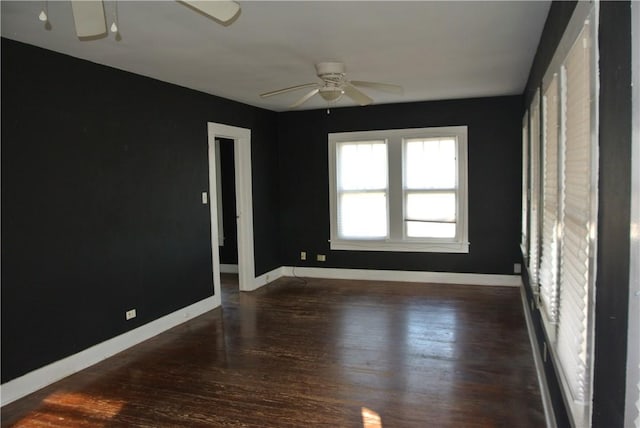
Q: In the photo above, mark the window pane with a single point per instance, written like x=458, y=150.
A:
x=362, y=165
x=417, y=229
x=430, y=163
x=363, y=215
x=431, y=206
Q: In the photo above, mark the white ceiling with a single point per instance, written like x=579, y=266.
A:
x=435, y=50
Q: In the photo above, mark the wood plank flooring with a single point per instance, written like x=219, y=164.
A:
x=307, y=353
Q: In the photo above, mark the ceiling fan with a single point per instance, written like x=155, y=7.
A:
x=89, y=16
x=334, y=85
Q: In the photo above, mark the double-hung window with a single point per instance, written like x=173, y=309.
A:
x=399, y=190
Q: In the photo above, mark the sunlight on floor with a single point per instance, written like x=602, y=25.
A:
x=74, y=406
x=370, y=419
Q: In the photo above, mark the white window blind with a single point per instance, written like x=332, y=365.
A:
x=362, y=190
x=534, y=189
x=549, y=235
x=524, y=244
x=573, y=347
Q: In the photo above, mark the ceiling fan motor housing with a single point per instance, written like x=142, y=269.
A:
x=330, y=69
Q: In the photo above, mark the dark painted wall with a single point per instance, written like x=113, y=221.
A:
x=494, y=143
x=612, y=282
x=229, y=251
x=102, y=173
x=559, y=15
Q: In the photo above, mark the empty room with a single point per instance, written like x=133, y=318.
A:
x=320, y=213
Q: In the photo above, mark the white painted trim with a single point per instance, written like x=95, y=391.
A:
x=244, y=202
x=39, y=378
x=226, y=268
x=396, y=239
x=268, y=277
x=547, y=405
x=405, y=276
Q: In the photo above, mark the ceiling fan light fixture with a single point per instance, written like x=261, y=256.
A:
x=331, y=94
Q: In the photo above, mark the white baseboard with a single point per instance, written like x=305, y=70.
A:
x=39, y=378
x=549, y=415
x=404, y=276
x=267, y=278
x=226, y=268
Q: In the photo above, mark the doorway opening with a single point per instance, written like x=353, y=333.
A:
x=241, y=138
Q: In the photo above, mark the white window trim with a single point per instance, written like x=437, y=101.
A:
x=396, y=240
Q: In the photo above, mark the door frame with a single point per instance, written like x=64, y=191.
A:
x=244, y=204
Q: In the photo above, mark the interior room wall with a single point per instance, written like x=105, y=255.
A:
x=494, y=147
x=102, y=174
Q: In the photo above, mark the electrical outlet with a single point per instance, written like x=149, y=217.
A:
x=204, y=198
x=321, y=258
x=303, y=255
x=130, y=314
x=517, y=268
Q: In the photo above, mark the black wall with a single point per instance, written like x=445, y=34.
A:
x=494, y=147
x=614, y=205
x=102, y=173
x=612, y=267
x=229, y=251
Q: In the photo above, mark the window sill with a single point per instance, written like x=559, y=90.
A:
x=417, y=247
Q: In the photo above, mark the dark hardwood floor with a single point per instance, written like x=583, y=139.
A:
x=315, y=353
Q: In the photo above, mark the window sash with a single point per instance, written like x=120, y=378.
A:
x=362, y=190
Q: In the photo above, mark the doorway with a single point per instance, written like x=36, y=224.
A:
x=241, y=138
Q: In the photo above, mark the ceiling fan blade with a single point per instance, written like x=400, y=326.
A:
x=220, y=10
x=385, y=87
x=357, y=95
x=89, y=18
x=284, y=90
x=305, y=98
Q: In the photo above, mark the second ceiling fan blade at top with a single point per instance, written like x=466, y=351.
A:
x=89, y=19
x=220, y=10
x=90, y=22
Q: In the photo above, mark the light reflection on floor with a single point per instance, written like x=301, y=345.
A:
x=81, y=409
x=370, y=419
